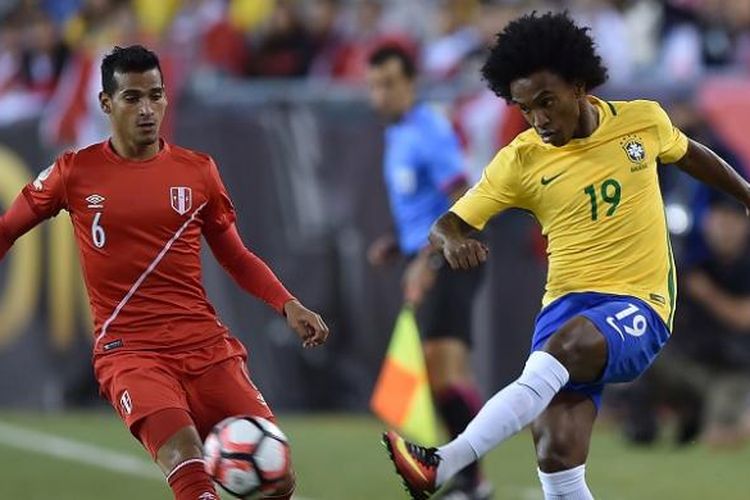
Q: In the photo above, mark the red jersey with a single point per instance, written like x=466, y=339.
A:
x=138, y=225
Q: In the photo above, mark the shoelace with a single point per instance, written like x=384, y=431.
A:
x=426, y=456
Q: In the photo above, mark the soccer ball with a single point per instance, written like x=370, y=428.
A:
x=247, y=456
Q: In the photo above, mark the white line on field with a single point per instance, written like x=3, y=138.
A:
x=77, y=451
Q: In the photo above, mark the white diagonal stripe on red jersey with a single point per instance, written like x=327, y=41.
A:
x=148, y=271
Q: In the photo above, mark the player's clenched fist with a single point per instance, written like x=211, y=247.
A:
x=464, y=253
x=308, y=325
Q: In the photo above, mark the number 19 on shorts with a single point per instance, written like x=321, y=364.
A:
x=628, y=320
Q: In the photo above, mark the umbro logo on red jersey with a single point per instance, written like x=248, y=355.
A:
x=95, y=201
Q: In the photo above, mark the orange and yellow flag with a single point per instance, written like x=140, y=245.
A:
x=402, y=397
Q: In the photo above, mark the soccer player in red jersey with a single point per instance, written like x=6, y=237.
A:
x=139, y=207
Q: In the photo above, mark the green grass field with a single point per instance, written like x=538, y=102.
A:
x=340, y=458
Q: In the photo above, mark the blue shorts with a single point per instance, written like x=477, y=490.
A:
x=635, y=334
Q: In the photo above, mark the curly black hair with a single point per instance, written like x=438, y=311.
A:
x=552, y=42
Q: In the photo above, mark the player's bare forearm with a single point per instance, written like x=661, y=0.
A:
x=708, y=167
x=449, y=234
x=449, y=227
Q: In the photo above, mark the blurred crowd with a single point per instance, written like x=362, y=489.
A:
x=47, y=43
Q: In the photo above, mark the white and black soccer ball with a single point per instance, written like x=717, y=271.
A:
x=247, y=456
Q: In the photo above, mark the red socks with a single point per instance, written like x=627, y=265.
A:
x=189, y=481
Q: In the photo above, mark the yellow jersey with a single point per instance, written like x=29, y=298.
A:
x=598, y=202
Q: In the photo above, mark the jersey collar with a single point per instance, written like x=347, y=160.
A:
x=605, y=115
x=112, y=155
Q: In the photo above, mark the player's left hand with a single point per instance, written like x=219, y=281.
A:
x=308, y=325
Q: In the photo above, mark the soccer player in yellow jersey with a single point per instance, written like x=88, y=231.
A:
x=587, y=170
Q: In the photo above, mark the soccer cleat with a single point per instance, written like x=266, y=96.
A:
x=416, y=465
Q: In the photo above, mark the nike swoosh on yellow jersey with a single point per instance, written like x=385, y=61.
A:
x=546, y=180
x=409, y=459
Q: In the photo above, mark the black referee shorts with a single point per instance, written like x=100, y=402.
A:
x=446, y=309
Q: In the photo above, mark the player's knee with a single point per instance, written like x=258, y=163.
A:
x=170, y=437
x=581, y=348
x=557, y=454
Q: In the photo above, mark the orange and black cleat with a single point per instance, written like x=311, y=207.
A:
x=416, y=465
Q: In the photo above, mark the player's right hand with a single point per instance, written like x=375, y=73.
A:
x=465, y=253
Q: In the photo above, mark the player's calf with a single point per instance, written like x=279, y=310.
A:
x=173, y=441
x=189, y=481
x=562, y=434
x=182, y=454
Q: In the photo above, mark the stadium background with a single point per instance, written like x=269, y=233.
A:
x=274, y=91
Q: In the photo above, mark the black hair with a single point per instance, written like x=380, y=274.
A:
x=552, y=42
x=385, y=53
x=132, y=59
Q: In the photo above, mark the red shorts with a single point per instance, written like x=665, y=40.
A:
x=209, y=383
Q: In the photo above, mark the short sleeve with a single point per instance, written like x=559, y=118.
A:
x=497, y=190
x=47, y=194
x=673, y=144
x=444, y=158
x=219, y=214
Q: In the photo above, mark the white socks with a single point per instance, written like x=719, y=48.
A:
x=506, y=413
x=566, y=485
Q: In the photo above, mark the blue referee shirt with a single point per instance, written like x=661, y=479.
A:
x=422, y=164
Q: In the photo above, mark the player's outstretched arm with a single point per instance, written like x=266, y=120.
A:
x=449, y=234
x=17, y=221
x=708, y=167
x=256, y=278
